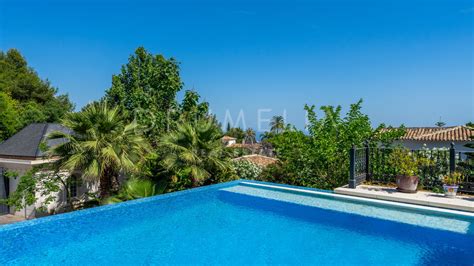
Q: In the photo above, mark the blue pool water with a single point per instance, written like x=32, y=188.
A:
x=242, y=223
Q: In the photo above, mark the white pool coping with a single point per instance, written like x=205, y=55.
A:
x=362, y=199
x=425, y=198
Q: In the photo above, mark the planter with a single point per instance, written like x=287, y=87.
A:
x=407, y=184
x=450, y=191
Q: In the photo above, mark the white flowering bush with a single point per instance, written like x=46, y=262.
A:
x=246, y=169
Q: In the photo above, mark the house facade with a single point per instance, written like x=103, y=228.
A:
x=228, y=140
x=24, y=151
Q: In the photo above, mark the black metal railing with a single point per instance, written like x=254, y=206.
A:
x=359, y=165
x=371, y=164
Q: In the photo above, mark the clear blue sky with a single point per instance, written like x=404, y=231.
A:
x=410, y=60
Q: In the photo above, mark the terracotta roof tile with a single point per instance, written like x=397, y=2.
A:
x=245, y=145
x=457, y=133
x=260, y=160
x=227, y=138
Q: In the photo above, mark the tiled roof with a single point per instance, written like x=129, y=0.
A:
x=457, y=133
x=260, y=160
x=26, y=143
x=227, y=138
x=245, y=145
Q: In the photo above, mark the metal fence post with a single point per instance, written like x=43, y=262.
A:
x=367, y=161
x=452, y=158
x=352, y=181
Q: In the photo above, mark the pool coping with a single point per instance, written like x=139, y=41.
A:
x=284, y=187
x=422, y=198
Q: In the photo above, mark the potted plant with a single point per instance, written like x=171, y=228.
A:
x=451, y=184
x=406, y=167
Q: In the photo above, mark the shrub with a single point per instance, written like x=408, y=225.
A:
x=136, y=188
x=452, y=179
x=407, y=163
x=246, y=170
x=320, y=158
x=275, y=173
x=404, y=162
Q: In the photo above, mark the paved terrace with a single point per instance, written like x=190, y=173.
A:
x=426, y=198
x=9, y=218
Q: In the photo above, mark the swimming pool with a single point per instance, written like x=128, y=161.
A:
x=244, y=222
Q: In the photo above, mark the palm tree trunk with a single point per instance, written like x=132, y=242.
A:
x=104, y=185
x=109, y=183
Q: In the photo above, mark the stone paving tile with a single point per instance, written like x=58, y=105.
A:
x=10, y=218
x=426, y=198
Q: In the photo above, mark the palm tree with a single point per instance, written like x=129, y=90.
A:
x=136, y=188
x=195, y=149
x=277, y=124
x=440, y=123
x=250, y=136
x=100, y=146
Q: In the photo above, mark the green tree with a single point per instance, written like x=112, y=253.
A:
x=321, y=158
x=440, y=123
x=267, y=135
x=9, y=122
x=194, y=151
x=32, y=112
x=146, y=90
x=37, y=181
x=236, y=132
x=191, y=109
x=277, y=125
x=250, y=136
x=25, y=193
x=36, y=100
x=103, y=145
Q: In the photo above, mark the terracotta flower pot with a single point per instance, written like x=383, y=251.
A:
x=407, y=184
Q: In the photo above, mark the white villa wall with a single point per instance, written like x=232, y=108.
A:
x=230, y=142
x=32, y=210
x=417, y=145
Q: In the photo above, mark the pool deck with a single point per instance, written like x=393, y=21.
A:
x=10, y=218
x=425, y=198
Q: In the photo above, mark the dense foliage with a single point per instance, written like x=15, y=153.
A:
x=430, y=165
x=194, y=154
x=320, y=158
x=146, y=89
x=26, y=98
x=136, y=188
x=9, y=122
x=404, y=162
x=246, y=170
x=191, y=109
x=102, y=146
